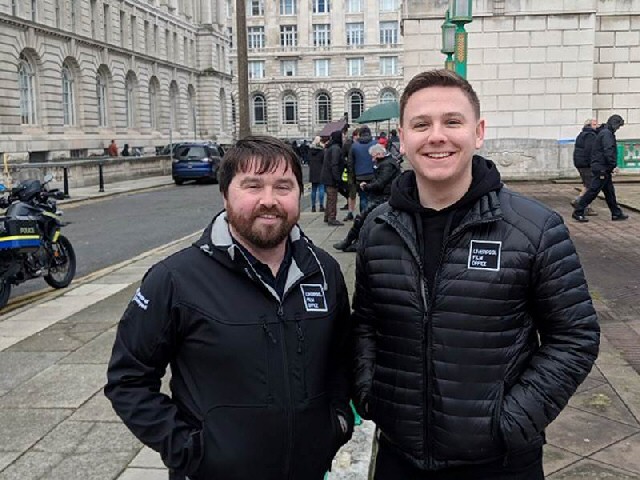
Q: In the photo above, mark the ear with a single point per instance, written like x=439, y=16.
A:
x=401, y=136
x=480, y=128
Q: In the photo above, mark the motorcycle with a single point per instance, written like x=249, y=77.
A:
x=31, y=245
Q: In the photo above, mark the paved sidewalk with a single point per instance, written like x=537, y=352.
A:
x=56, y=424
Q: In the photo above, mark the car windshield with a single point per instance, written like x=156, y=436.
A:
x=192, y=152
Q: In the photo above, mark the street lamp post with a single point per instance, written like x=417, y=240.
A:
x=461, y=14
x=448, y=41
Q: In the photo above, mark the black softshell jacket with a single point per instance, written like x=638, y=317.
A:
x=475, y=373
x=257, y=382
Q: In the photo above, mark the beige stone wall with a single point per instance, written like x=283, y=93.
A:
x=190, y=26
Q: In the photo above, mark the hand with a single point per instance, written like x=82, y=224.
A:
x=362, y=185
x=616, y=171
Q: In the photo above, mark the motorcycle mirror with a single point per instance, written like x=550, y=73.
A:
x=48, y=177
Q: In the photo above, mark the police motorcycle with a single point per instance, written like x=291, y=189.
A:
x=30, y=241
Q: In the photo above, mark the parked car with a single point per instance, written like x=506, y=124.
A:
x=196, y=161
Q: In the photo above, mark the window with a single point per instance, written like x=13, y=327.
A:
x=322, y=67
x=34, y=10
x=321, y=6
x=323, y=108
x=185, y=50
x=68, y=97
x=234, y=115
x=289, y=109
x=388, y=33
x=255, y=37
x=387, y=96
x=356, y=104
x=355, y=33
x=354, y=6
x=166, y=43
x=101, y=96
x=259, y=110
x=256, y=69
x=132, y=32
x=355, y=67
x=72, y=9
x=192, y=109
x=122, y=28
x=321, y=34
x=173, y=105
x=288, y=7
x=130, y=100
x=156, y=39
x=288, y=35
x=388, y=5
x=255, y=8
x=14, y=7
x=94, y=13
x=153, y=103
x=106, y=22
x=388, y=65
x=147, y=37
x=27, y=92
x=288, y=68
x=223, y=110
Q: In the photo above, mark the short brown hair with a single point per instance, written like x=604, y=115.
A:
x=439, y=78
x=267, y=153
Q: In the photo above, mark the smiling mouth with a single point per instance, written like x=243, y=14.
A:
x=439, y=155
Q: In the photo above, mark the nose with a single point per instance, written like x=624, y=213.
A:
x=437, y=134
x=268, y=198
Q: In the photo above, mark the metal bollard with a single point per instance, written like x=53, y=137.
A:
x=100, y=178
x=65, y=182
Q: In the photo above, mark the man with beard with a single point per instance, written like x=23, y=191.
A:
x=253, y=320
x=472, y=318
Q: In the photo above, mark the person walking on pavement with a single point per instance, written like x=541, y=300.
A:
x=604, y=155
x=332, y=177
x=316, y=158
x=378, y=190
x=473, y=324
x=350, y=183
x=582, y=158
x=362, y=162
x=253, y=319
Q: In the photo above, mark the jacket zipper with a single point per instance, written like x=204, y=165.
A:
x=300, y=351
x=289, y=395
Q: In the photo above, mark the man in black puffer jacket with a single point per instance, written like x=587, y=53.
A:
x=604, y=155
x=253, y=320
x=582, y=157
x=473, y=324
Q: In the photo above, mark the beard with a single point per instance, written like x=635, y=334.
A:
x=261, y=236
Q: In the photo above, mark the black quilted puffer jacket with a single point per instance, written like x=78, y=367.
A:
x=477, y=373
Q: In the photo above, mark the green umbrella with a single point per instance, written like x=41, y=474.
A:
x=380, y=113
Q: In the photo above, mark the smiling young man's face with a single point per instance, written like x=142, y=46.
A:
x=439, y=134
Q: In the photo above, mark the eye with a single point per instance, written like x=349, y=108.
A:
x=284, y=187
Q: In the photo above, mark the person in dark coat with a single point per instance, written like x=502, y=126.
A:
x=332, y=168
x=125, y=150
x=351, y=188
x=473, y=324
x=604, y=156
x=378, y=191
x=253, y=320
x=362, y=162
x=316, y=159
x=582, y=158
x=304, y=152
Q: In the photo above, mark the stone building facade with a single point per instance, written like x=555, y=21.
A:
x=77, y=73
x=312, y=61
x=541, y=68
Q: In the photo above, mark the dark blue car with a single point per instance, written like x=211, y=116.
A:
x=196, y=161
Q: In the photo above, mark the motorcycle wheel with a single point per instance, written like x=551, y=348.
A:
x=63, y=267
x=5, y=291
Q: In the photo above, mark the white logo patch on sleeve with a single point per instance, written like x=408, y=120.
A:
x=314, y=299
x=484, y=255
x=142, y=302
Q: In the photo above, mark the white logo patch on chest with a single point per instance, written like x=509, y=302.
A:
x=314, y=299
x=484, y=255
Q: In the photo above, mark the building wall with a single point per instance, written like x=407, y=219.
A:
x=155, y=39
x=305, y=85
x=541, y=68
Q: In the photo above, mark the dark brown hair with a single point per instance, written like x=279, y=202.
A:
x=264, y=153
x=439, y=78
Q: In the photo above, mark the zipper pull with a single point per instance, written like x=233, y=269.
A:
x=280, y=312
x=300, y=336
x=265, y=327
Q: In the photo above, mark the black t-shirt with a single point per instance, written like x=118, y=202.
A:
x=280, y=280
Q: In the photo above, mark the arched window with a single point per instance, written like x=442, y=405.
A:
x=173, y=101
x=68, y=97
x=356, y=104
x=130, y=101
x=223, y=110
x=289, y=109
x=192, y=109
x=259, y=110
x=387, y=96
x=153, y=103
x=323, y=108
x=101, y=97
x=26, y=79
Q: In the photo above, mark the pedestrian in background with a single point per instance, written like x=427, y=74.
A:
x=383, y=140
x=362, y=162
x=316, y=159
x=125, y=150
x=112, y=151
x=351, y=189
x=332, y=168
x=304, y=152
x=253, y=320
x=473, y=324
x=604, y=162
x=582, y=158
